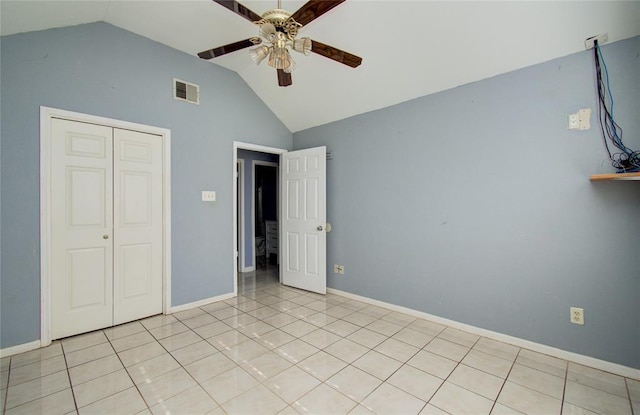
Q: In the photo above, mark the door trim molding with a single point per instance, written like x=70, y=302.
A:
x=239, y=145
x=46, y=114
x=240, y=220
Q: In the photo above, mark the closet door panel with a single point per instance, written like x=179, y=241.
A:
x=81, y=227
x=138, y=229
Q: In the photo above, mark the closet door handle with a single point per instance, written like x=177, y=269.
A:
x=105, y=236
x=320, y=227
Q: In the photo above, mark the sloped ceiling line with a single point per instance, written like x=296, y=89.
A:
x=409, y=48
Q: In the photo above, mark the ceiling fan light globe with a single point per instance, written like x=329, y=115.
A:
x=280, y=58
x=259, y=54
x=292, y=65
x=302, y=45
x=268, y=31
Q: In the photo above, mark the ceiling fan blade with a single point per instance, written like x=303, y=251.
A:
x=335, y=54
x=284, y=78
x=314, y=9
x=231, y=47
x=239, y=9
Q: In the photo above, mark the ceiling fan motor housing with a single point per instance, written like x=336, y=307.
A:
x=282, y=21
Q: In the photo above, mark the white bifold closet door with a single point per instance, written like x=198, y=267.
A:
x=107, y=226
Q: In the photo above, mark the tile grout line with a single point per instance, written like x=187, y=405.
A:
x=506, y=378
x=123, y=368
x=626, y=384
x=66, y=365
x=322, y=382
x=266, y=292
x=453, y=370
x=564, y=387
x=40, y=397
x=198, y=384
x=495, y=401
x=294, y=338
x=261, y=382
x=6, y=394
x=401, y=366
x=226, y=371
x=403, y=326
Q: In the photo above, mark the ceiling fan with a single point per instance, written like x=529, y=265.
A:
x=278, y=30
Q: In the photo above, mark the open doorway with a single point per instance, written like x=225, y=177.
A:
x=265, y=214
x=301, y=216
x=257, y=210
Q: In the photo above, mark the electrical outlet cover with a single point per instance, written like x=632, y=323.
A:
x=584, y=117
x=577, y=315
x=590, y=42
x=574, y=121
x=208, y=196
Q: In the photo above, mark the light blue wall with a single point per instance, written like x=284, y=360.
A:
x=103, y=70
x=249, y=157
x=475, y=204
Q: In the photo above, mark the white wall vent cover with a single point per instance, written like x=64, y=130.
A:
x=185, y=91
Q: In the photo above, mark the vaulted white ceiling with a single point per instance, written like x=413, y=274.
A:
x=409, y=48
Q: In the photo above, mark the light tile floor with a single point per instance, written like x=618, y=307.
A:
x=278, y=350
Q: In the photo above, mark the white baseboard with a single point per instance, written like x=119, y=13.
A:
x=615, y=368
x=21, y=348
x=200, y=303
x=26, y=347
x=248, y=269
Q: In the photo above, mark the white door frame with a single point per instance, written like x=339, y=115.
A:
x=46, y=114
x=242, y=253
x=239, y=145
x=255, y=163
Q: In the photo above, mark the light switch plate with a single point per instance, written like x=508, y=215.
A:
x=584, y=116
x=208, y=196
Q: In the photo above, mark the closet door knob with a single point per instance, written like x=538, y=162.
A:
x=320, y=227
x=105, y=236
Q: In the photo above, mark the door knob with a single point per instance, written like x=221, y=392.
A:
x=105, y=236
x=320, y=227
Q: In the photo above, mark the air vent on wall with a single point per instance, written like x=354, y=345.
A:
x=185, y=91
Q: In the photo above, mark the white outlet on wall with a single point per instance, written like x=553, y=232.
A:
x=208, y=196
x=581, y=120
x=338, y=269
x=574, y=121
x=577, y=315
x=589, y=43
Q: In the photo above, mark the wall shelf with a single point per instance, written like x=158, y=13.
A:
x=614, y=176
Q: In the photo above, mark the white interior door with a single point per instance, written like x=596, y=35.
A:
x=107, y=226
x=303, y=217
x=81, y=216
x=137, y=190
